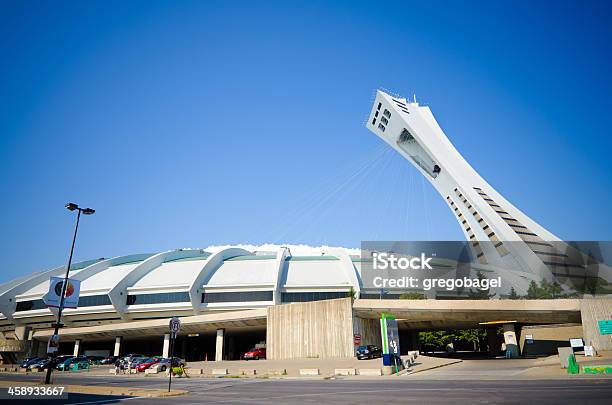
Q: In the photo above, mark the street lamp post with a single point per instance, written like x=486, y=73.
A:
x=85, y=211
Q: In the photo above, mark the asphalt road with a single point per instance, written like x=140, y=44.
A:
x=401, y=390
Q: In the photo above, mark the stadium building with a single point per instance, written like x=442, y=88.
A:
x=313, y=305
x=233, y=299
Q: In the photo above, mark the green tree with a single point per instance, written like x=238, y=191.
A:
x=473, y=336
x=556, y=290
x=480, y=294
x=513, y=295
x=533, y=291
x=546, y=290
x=435, y=340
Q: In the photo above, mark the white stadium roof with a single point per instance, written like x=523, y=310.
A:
x=192, y=280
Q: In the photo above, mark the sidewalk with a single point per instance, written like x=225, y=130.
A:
x=308, y=368
x=550, y=366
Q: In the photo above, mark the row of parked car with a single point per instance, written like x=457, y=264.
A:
x=141, y=362
x=65, y=362
x=62, y=363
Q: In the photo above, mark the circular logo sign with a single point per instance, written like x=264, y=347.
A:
x=69, y=289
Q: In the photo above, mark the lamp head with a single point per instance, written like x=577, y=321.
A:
x=71, y=206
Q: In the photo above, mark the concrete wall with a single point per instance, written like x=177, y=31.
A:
x=369, y=329
x=321, y=329
x=591, y=311
x=546, y=338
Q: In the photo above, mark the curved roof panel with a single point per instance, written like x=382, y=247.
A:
x=108, y=278
x=314, y=271
x=173, y=273
x=245, y=270
x=42, y=288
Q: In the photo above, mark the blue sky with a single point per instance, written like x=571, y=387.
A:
x=186, y=124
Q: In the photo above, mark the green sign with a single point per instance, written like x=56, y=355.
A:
x=605, y=327
x=390, y=334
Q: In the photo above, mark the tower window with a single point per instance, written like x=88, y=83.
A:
x=381, y=127
x=386, y=113
x=379, y=105
x=384, y=120
x=374, y=121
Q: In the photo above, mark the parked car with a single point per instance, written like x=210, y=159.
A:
x=45, y=363
x=109, y=360
x=54, y=361
x=255, y=353
x=368, y=352
x=80, y=361
x=143, y=365
x=41, y=365
x=80, y=364
x=28, y=361
x=137, y=360
x=95, y=359
x=128, y=359
x=164, y=363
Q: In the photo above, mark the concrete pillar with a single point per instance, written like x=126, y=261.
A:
x=77, y=347
x=591, y=312
x=33, y=352
x=166, y=349
x=22, y=332
x=32, y=347
x=117, y=350
x=219, y=345
x=494, y=346
x=510, y=341
x=42, y=348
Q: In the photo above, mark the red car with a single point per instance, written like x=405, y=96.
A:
x=255, y=354
x=147, y=363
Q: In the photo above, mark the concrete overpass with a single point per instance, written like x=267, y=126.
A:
x=462, y=314
x=252, y=318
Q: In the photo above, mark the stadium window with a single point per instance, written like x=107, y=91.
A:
x=241, y=296
x=159, y=298
x=377, y=296
x=94, y=300
x=526, y=233
x=311, y=296
x=30, y=305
